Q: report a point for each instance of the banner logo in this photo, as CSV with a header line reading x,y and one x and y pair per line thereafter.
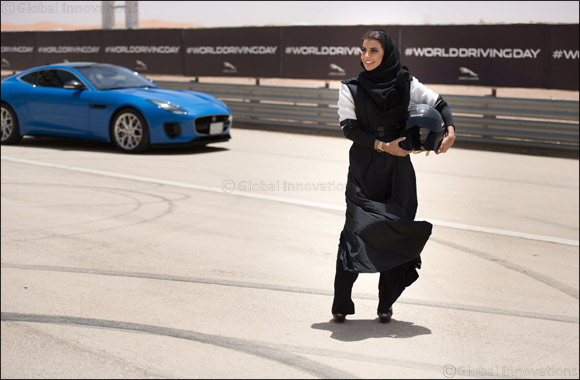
x,y
140,66
336,70
229,68
467,74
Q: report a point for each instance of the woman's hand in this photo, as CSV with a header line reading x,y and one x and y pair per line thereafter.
x,y
394,149
448,140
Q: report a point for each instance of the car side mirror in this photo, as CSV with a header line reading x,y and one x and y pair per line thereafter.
x,y
74,85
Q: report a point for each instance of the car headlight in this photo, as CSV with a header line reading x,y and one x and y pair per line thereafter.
x,y
168,107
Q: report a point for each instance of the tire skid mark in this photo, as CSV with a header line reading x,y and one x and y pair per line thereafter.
x,y
546,280
137,370
137,206
263,351
290,289
121,192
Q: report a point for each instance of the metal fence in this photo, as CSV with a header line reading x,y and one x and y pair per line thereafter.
x,y
529,123
525,123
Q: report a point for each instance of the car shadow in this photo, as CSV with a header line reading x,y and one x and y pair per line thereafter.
x,y
68,144
353,330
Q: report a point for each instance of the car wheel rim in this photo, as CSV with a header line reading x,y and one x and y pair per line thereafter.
x,y
128,131
7,124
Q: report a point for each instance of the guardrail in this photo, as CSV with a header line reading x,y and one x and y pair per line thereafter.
x,y
528,123
525,123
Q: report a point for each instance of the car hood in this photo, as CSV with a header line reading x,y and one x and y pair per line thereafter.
x,y
190,101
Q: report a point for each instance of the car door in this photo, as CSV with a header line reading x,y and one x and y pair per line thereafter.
x,y
56,110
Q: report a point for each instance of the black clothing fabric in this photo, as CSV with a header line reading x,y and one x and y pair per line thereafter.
x,y
373,122
445,111
381,195
354,132
392,283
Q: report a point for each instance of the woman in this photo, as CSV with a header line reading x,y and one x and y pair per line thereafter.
x,y
380,234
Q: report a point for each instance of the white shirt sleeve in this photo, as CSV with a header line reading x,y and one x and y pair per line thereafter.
x,y
421,94
345,104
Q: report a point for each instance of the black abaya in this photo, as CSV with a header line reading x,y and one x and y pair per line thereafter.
x,y
380,233
381,198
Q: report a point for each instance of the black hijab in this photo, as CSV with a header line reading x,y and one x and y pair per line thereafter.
x,y
381,83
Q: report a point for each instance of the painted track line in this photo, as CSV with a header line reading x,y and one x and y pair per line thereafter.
x,y
298,202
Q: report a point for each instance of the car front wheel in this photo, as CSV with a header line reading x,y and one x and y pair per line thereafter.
x,y
10,129
129,131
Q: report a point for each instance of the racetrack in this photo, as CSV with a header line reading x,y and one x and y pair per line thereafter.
x,y
219,263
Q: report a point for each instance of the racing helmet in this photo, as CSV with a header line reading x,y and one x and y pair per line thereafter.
x,y
424,129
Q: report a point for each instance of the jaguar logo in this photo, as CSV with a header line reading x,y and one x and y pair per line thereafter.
x,y
140,65
229,68
467,74
336,70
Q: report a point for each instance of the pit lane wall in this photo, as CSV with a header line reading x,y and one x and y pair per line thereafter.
x,y
518,55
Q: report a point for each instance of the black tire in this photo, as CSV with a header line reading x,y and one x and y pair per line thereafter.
x,y
10,129
129,131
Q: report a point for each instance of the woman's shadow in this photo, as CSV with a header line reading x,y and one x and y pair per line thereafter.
x,y
356,330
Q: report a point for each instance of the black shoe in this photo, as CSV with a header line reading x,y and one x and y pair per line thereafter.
x,y
386,317
339,318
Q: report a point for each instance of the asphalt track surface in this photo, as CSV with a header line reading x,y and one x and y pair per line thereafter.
x,y
219,263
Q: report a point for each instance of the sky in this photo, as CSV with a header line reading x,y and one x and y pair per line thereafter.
x,y
259,13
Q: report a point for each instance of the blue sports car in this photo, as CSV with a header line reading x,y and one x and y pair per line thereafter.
x,y
108,103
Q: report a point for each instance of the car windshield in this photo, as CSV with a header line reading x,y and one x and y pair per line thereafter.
x,y
108,77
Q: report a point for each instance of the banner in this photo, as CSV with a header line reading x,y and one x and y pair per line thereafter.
x,y
324,52
56,47
18,50
157,51
530,56
562,54
239,52
488,55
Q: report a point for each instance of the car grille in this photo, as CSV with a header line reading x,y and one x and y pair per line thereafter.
x,y
202,124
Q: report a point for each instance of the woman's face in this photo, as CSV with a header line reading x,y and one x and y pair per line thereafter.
x,y
372,54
